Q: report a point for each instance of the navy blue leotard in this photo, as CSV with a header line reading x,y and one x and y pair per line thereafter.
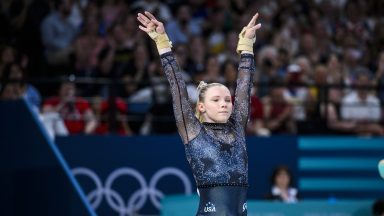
x,y
216,152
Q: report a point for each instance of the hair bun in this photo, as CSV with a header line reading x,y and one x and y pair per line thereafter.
x,y
201,85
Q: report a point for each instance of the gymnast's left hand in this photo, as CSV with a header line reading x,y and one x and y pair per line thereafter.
x,y
247,36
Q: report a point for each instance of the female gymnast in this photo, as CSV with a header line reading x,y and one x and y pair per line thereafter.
x,y
213,136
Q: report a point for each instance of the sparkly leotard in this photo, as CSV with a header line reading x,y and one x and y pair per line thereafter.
x,y
216,152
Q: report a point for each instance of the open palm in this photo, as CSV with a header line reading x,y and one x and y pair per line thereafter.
x,y
150,23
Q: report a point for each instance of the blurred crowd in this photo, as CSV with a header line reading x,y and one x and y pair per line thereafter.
x,y
85,67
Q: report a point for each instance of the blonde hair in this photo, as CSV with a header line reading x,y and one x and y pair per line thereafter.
x,y
202,89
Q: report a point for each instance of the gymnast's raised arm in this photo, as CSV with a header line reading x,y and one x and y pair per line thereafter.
x,y
247,38
187,124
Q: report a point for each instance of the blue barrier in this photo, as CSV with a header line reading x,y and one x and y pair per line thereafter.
x,y
187,206
344,167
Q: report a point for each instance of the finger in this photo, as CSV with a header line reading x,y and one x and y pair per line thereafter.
x,y
253,29
156,22
143,29
253,20
250,24
256,16
143,17
140,15
142,21
150,16
257,26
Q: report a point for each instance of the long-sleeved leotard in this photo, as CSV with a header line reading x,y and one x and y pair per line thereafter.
x,y
216,152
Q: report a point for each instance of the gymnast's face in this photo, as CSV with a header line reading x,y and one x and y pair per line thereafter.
x,y
217,105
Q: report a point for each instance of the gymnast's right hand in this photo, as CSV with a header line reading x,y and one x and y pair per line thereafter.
x,y
155,29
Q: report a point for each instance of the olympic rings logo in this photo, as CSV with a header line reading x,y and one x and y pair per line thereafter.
x,y
138,198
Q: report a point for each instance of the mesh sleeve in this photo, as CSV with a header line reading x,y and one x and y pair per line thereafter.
x,y
187,124
243,89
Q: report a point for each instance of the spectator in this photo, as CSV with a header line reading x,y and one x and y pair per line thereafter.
x,y
256,125
58,34
355,21
295,93
379,77
308,47
278,112
36,12
330,110
196,61
266,71
76,15
10,55
317,98
75,111
111,11
229,69
229,54
283,61
361,104
132,36
362,107
218,25
12,14
15,73
138,70
116,58
305,65
112,117
334,123
378,208
156,7
282,189
317,92
181,29
9,91
87,47
335,77
182,54
212,70
331,115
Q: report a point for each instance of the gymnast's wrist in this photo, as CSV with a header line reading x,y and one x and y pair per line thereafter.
x,y
162,41
164,50
245,44
246,52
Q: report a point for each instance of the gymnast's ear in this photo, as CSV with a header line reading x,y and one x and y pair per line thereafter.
x,y
201,107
